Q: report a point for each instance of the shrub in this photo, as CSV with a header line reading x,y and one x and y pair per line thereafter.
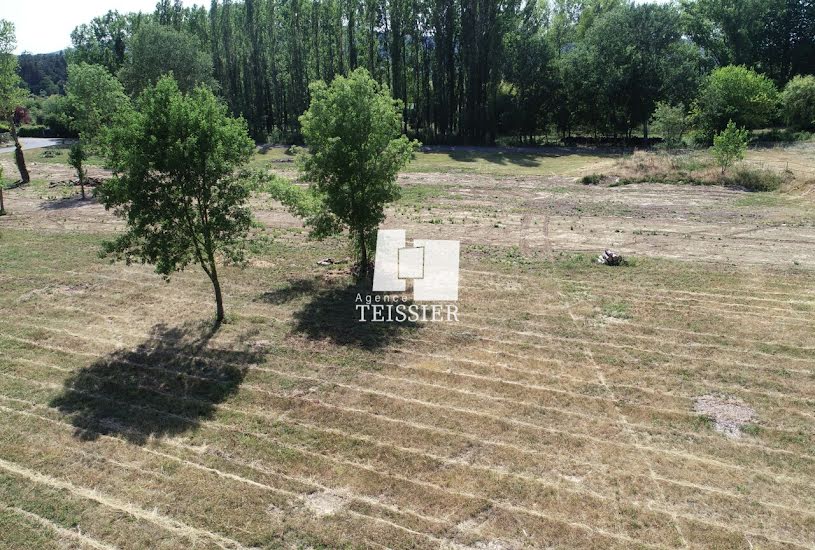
x,y
755,180
671,122
798,102
34,130
729,145
735,93
591,179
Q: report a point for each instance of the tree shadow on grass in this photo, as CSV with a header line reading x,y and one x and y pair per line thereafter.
x,y
518,158
165,386
68,202
330,314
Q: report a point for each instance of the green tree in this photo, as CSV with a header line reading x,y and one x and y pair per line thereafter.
x,y
353,131
175,160
671,122
729,145
155,50
94,99
734,93
104,40
798,102
77,158
12,93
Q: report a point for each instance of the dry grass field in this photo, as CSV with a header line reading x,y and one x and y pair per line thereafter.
x,y
562,410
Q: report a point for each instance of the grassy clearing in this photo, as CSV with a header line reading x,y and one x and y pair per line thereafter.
x,y
506,163
558,411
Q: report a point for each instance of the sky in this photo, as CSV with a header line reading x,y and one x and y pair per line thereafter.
x,y
45,26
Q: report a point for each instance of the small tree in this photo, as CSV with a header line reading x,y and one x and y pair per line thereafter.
x,y
729,145
175,159
353,131
94,99
12,93
76,158
671,122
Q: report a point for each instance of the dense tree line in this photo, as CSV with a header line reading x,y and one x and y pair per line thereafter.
x,y
465,70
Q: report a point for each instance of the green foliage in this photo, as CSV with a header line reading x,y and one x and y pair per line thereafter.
x,y
56,115
735,93
670,122
77,158
103,41
175,159
798,103
12,92
94,100
155,50
465,71
755,180
353,131
630,57
729,145
591,179
33,130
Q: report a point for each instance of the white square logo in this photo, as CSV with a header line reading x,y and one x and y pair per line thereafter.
x,y
431,264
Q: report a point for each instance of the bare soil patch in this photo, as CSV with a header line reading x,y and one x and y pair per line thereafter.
x,y
729,414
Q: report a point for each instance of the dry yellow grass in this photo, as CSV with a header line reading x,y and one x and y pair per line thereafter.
x,y
557,412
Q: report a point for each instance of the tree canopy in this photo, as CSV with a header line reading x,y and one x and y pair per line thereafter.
x,y
156,50
94,99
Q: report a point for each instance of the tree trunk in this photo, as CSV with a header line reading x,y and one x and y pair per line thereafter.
x,y
82,187
2,206
18,154
216,286
363,256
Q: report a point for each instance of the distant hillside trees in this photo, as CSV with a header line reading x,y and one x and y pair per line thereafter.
x,y
45,74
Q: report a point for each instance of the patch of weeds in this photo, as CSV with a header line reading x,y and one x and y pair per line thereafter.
x,y
703,423
760,200
754,180
418,195
751,429
572,261
617,310
514,257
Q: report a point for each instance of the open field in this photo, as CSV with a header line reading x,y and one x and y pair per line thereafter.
x,y
558,411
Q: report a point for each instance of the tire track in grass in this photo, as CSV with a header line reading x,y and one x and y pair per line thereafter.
x,y
165,522
59,530
460,410
696,519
